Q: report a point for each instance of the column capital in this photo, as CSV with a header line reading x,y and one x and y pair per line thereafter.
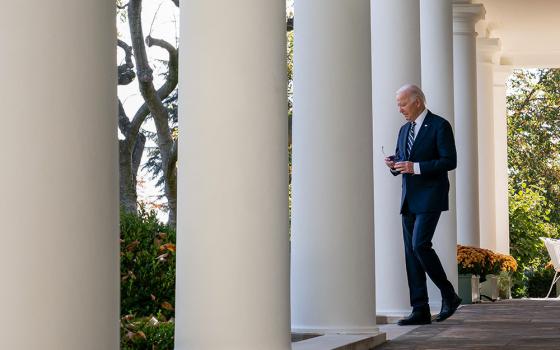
x,y
488,50
465,16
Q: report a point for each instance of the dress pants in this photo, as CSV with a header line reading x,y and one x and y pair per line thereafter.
x,y
421,258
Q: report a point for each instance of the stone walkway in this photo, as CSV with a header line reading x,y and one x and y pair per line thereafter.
x,y
509,324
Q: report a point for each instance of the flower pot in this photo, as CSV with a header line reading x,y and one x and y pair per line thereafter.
x,y
489,288
469,289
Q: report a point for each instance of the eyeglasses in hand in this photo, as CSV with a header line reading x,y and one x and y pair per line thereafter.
x,y
393,158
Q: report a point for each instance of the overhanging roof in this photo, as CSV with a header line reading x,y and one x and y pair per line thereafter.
x,y
529,31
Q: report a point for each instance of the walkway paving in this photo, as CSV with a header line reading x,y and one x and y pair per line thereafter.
x,y
509,324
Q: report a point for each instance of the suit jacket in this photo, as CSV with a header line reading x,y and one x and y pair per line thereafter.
x,y
434,149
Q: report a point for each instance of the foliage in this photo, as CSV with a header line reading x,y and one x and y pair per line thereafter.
x,y
503,263
147,266
482,262
534,133
290,60
504,285
472,260
290,70
529,220
534,171
121,11
538,283
146,334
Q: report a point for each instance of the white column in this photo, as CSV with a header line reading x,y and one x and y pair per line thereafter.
x,y
436,32
465,16
59,207
332,220
233,253
395,62
487,49
501,74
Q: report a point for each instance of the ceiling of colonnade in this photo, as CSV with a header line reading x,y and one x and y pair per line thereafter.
x,y
529,31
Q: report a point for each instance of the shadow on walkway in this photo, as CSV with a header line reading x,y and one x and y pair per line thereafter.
x,y
509,324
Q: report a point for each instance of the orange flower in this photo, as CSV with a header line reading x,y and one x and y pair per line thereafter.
x,y
480,261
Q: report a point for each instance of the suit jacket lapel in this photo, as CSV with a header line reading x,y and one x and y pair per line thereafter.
x,y
403,140
422,132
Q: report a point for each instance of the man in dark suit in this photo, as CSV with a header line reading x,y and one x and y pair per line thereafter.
x,y
424,154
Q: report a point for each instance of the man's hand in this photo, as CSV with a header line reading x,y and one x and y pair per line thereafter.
x,y
404,167
390,163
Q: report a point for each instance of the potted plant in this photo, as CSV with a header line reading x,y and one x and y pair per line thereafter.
x,y
498,279
489,287
508,265
471,262
483,272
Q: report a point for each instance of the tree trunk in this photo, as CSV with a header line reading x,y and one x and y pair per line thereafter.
x,y
128,196
154,100
128,172
171,191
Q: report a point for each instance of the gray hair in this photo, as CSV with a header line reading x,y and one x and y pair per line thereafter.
x,y
413,91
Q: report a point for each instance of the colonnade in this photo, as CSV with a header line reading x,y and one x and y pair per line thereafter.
x,y
60,207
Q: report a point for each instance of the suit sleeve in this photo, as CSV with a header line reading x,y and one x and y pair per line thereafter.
x,y
447,153
395,172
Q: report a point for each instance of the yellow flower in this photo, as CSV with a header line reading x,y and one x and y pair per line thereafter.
x,y
480,261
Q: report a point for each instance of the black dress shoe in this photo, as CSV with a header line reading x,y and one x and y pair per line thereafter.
x,y
448,308
416,318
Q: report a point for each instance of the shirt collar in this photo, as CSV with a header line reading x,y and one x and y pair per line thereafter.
x,y
421,117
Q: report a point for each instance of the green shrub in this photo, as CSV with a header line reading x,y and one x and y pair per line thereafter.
x,y
528,220
146,334
147,266
519,286
538,283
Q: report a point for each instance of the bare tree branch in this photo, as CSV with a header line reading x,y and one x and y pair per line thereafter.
x,y
124,122
144,71
154,19
154,103
128,52
137,152
126,72
150,41
166,89
129,161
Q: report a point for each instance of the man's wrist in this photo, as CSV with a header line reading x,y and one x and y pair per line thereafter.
x,y
416,167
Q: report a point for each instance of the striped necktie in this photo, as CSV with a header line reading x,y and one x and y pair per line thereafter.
x,y
410,139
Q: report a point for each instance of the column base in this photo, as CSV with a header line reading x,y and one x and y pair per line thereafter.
x,y
391,316
323,331
342,342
